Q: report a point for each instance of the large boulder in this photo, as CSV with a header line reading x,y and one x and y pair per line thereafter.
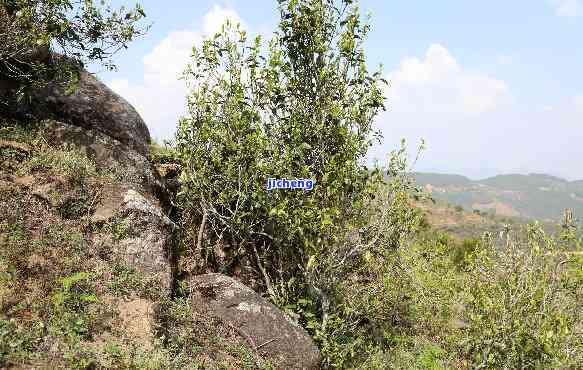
x,y
267,329
93,106
144,233
109,153
133,201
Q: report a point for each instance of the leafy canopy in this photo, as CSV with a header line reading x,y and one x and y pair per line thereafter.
x,y
303,108
80,31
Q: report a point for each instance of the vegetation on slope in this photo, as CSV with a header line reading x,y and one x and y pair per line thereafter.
x,y
353,261
65,301
531,196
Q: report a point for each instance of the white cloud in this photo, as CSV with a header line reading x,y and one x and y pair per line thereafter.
x,y
214,19
547,108
505,60
579,103
568,8
505,138
161,97
438,84
166,62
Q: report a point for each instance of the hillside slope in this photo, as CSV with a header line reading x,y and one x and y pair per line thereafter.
x,y
90,254
535,196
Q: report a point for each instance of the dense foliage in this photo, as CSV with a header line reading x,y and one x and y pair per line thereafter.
x,y
305,110
510,303
31,31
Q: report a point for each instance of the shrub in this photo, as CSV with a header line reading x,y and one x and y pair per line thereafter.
x,y
512,306
81,31
464,252
521,305
304,110
70,304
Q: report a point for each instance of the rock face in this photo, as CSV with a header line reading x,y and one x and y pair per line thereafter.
x,y
132,202
264,326
94,106
79,207
108,153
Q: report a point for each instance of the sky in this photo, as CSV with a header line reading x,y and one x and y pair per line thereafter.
x,y
492,87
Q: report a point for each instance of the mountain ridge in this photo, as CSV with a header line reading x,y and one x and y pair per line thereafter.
x,y
533,196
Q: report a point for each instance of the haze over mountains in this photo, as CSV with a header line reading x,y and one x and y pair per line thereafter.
x,y
536,196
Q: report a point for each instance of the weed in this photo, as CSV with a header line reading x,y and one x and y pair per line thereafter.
x,y
113,350
125,281
18,341
11,130
75,205
14,232
119,228
163,153
244,353
70,303
68,159
79,358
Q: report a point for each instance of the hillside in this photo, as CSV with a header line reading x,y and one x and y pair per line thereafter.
x,y
90,254
461,223
533,196
119,252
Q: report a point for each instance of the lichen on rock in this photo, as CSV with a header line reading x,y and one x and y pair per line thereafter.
x,y
285,344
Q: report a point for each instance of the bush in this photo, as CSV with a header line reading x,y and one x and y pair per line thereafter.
x,y
516,306
464,252
81,31
521,305
366,288
305,110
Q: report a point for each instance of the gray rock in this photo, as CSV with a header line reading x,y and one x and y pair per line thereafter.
x,y
132,196
147,246
109,154
94,106
47,193
267,329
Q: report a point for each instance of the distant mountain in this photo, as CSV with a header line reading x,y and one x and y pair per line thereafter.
x,y
536,196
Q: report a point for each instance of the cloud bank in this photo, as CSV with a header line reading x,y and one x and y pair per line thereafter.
x,y
568,8
161,97
438,84
472,123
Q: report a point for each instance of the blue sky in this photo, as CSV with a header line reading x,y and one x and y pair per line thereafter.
x,y
493,87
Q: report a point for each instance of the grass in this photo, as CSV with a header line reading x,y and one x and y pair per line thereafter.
x,y
162,153
67,159
119,228
60,293
126,282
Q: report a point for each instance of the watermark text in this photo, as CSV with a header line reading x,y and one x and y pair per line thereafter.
x,y
306,184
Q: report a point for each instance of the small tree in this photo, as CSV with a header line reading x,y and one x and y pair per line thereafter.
x,y
32,31
304,109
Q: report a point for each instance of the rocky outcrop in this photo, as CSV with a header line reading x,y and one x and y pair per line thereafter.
x,y
268,330
94,106
133,200
109,154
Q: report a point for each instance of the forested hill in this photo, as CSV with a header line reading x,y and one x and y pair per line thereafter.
x,y
536,196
